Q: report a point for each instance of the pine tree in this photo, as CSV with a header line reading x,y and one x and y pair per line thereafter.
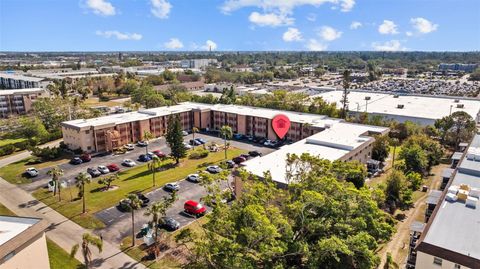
x,y
174,138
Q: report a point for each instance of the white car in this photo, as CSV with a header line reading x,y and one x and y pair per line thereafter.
x,y
187,146
31,172
214,169
184,133
129,147
268,143
128,163
173,186
103,169
193,178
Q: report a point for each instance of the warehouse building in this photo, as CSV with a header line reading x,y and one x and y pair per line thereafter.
x,y
420,109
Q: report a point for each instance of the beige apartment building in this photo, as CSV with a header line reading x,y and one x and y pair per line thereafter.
x,y
23,243
19,101
112,131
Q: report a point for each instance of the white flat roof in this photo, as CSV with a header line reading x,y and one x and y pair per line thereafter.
x,y
13,226
21,91
20,77
331,144
414,106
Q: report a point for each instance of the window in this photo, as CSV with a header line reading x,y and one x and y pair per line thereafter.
x,y
89,148
437,261
457,266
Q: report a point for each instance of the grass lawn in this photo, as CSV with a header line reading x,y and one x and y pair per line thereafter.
x,y
91,102
139,252
14,172
60,259
5,211
6,141
137,179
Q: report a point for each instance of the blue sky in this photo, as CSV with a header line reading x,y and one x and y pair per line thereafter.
x,y
118,25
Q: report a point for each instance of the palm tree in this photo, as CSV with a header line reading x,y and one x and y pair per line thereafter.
x,y
134,204
56,173
153,166
227,133
147,136
194,130
346,86
158,210
82,179
87,240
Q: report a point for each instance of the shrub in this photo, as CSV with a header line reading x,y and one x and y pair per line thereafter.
x,y
198,154
47,154
7,150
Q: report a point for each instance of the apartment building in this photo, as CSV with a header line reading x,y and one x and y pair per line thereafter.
x,y
108,132
23,243
450,237
19,101
17,81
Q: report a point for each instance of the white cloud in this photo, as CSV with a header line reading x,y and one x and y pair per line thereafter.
x,y
173,44
101,7
347,5
292,34
423,26
388,28
408,33
160,8
392,45
285,6
270,19
119,35
312,17
329,34
209,45
314,45
355,25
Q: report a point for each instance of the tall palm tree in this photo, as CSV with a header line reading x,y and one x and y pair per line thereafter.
x,y
227,133
82,179
158,210
56,173
147,136
194,130
153,166
87,240
346,86
134,204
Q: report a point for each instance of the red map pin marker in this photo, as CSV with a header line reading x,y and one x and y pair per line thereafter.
x,y
281,125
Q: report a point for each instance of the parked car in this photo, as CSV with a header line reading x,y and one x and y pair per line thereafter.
x,y
239,159
144,158
124,205
193,178
230,164
195,142
254,153
93,172
142,143
172,186
143,198
194,208
128,163
151,155
169,224
76,161
159,154
31,172
86,157
249,137
129,147
238,136
103,169
267,143
214,169
184,133
246,156
201,140
113,167
187,146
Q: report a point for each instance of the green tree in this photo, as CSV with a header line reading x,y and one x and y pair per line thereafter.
x,y
174,138
134,203
381,148
194,131
147,136
415,158
414,179
353,171
153,166
56,173
397,192
227,133
82,180
463,127
107,180
87,240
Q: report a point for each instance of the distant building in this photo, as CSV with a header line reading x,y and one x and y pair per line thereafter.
x,y
17,81
197,63
189,86
19,101
458,67
242,68
23,243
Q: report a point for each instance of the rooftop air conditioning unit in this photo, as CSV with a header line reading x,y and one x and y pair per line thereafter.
x,y
460,105
367,98
400,106
457,100
396,96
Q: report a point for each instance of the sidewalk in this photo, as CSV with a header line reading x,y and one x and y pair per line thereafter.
x,y
62,231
